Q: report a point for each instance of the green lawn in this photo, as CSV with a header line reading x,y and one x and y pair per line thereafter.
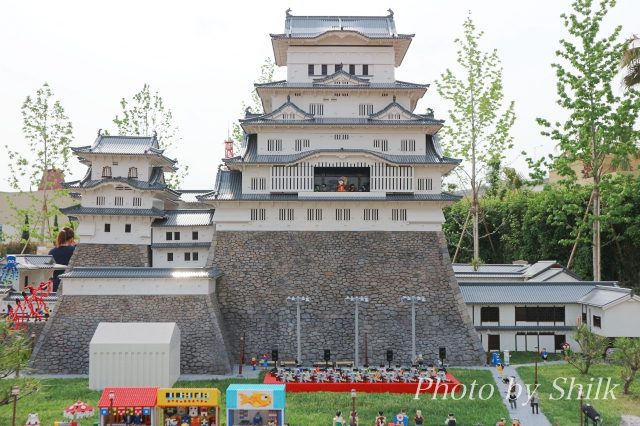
x,y
308,409
565,411
516,358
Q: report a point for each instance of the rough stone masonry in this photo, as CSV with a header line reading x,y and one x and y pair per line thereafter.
x,y
260,269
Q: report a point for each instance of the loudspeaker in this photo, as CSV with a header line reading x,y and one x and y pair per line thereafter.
x,y
327,355
274,355
389,355
443,352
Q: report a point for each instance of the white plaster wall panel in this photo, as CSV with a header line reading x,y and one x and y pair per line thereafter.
x,y
109,194
138,286
121,169
620,320
160,258
93,231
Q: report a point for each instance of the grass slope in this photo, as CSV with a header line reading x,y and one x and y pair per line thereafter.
x,y
303,409
566,411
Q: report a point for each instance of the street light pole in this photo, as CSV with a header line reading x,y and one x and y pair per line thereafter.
x,y
413,300
357,300
298,300
112,397
15,391
353,404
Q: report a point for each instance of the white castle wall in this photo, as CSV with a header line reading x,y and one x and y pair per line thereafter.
x,y
336,104
117,189
92,230
120,166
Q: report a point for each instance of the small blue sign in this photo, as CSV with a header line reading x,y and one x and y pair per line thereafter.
x,y
146,411
104,411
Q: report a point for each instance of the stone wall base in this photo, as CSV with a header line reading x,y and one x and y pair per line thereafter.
x,y
118,255
63,347
261,269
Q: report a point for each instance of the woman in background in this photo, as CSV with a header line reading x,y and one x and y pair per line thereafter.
x,y
62,253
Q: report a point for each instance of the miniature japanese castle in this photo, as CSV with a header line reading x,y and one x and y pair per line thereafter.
x,y
336,193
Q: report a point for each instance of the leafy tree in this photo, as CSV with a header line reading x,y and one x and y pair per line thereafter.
x,y
480,126
266,76
49,133
146,114
600,126
627,354
592,348
631,62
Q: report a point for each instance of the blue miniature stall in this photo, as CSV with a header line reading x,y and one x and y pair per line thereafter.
x,y
255,404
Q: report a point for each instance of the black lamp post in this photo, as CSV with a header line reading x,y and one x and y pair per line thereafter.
x,y
112,397
15,391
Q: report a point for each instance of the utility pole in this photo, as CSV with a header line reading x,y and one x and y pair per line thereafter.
x,y
413,300
298,300
357,300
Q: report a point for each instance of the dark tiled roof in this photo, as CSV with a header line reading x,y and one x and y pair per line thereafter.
x,y
111,211
338,121
274,113
370,26
229,187
13,296
130,145
529,293
340,73
251,156
186,218
156,182
193,244
111,272
524,327
383,86
378,115
601,296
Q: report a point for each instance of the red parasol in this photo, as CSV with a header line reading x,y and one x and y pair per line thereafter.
x,y
78,410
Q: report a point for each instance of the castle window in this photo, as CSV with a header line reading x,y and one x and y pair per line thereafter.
x,y
133,172
137,201
169,257
115,163
316,109
194,255
338,94
384,95
288,116
365,69
399,215
352,69
194,235
311,69
382,144
301,144
107,227
169,236
371,214
127,228
258,214
407,145
324,69
176,236
338,67
425,184
106,172
187,257
286,214
314,214
365,109
119,201
343,214
274,144
100,200
258,184
341,137
393,116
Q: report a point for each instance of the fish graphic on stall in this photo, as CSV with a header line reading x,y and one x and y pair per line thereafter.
x,y
256,399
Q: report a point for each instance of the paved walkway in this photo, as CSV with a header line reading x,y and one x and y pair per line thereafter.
x,y
523,409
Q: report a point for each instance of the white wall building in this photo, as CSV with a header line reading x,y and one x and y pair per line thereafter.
x,y
182,239
611,312
123,191
339,146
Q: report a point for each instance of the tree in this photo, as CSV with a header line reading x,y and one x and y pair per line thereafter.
x,y
600,124
15,350
266,76
592,348
480,127
145,114
631,62
627,354
49,134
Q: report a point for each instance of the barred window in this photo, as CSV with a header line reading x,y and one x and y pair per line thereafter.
x,y
393,116
106,171
274,144
300,144
425,184
343,214
133,172
258,214
314,214
289,116
407,145
100,200
137,201
371,214
382,144
286,214
399,215
119,201
341,137
258,184
316,109
365,109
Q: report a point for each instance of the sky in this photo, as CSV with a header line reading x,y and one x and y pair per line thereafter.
x,y
203,57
